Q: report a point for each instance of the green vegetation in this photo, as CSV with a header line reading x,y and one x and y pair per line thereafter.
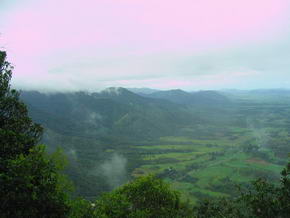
x,y
145,197
203,169
31,185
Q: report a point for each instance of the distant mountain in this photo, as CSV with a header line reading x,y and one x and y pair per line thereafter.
x,y
177,96
198,98
121,95
258,91
259,95
117,113
210,98
279,92
113,111
141,91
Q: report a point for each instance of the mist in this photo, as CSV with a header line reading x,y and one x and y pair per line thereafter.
x,y
114,169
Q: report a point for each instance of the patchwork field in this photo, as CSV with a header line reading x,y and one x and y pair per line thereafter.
x,y
204,168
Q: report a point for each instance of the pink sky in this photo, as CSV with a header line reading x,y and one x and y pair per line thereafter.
x,y
93,36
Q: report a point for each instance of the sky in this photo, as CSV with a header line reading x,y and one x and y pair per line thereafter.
x,y
72,45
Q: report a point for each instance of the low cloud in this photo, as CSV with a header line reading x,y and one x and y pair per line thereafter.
x,y
114,170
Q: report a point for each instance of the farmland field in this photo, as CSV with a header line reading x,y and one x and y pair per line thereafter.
x,y
203,168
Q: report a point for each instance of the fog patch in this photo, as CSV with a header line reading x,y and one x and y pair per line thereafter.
x,y
93,117
72,154
114,170
260,134
112,91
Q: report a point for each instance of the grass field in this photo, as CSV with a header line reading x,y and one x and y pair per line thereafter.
x,y
204,168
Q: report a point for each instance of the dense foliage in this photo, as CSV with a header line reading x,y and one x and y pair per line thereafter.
x,y
145,197
16,128
29,179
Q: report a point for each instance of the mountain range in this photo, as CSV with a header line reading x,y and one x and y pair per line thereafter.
x,y
118,111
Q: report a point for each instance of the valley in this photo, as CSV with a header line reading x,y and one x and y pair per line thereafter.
x,y
202,147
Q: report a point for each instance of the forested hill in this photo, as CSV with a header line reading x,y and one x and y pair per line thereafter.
x,y
117,111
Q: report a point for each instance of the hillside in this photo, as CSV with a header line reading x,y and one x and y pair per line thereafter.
x,y
114,111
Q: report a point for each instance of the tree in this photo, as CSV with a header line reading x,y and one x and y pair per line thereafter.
x,y
31,185
17,131
144,197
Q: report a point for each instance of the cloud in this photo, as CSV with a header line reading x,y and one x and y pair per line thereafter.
x,y
76,45
114,170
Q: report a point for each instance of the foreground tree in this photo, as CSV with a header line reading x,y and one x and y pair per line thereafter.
x,y
18,134
145,197
31,185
